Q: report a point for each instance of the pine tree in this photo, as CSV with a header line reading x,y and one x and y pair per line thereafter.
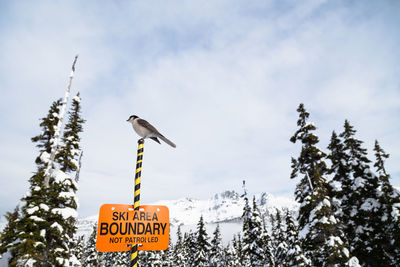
x,y
361,207
202,245
327,231
62,189
245,244
106,259
267,246
388,241
121,259
57,129
309,160
253,237
179,249
78,248
42,238
279,238
190,246
238,246
273,225
231,258
45,139
168,255
340,183
154,259
320,231
61,217
50,210
33,226
217,250
143,258
9,234
69,152
91,256
294,253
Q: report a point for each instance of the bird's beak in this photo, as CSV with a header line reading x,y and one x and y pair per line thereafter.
x,y
127,120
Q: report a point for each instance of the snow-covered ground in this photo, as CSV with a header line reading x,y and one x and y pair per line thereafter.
x,y
225,209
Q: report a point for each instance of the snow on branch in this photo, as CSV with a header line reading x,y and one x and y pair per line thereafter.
x,y
66,212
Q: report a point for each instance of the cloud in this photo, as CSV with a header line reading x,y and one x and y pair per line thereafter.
x,y
222,80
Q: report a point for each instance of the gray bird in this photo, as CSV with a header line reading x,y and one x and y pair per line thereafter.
x,y
146,130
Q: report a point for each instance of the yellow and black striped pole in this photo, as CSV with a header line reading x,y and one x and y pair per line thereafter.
x,y
134,251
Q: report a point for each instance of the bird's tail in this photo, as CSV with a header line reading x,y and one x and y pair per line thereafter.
x,y
162,137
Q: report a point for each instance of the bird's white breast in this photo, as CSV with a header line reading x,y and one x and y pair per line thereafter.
x,y
140,130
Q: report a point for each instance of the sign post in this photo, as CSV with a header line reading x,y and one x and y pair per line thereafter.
x,y
131,228
134,251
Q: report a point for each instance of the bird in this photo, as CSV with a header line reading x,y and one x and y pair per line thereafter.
x,y
145,130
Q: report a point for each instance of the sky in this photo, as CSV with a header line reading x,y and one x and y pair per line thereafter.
x,y
221,79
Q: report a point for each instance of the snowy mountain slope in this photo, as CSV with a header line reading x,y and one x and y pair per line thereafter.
x,y
225,208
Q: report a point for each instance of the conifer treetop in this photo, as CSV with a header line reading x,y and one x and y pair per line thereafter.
x,y
56,141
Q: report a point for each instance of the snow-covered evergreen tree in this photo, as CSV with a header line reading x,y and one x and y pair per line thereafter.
x,y
33,226
279,238
253,237
325,230
340,184
143,258
245,244
202,245
91,255
361,207
45,139
179,249
217,249
48,218
294,254
61,216
122,258
9,234
190,246
340,171
106,259
168,255
57,129
62,187
268,249
231,258
31,246
45,229
154,259
238,246
78,248
320,231
68,154
117,259
388,241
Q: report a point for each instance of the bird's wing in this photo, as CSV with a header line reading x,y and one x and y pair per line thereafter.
x,y
147,125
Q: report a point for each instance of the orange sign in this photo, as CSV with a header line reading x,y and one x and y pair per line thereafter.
x,y
120,227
